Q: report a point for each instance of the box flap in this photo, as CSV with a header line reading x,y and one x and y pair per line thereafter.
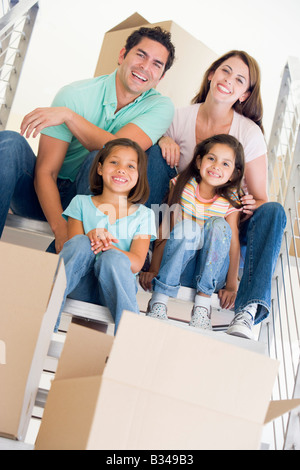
x,y
279,407
185,365
84,354
132,21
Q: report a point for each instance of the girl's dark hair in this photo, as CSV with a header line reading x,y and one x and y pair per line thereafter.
x,y
227,190
140,193
156,34
252,107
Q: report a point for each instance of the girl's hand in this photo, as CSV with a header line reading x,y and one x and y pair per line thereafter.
x,y
101,240
227,298
145,279
170,151
249,206
34,122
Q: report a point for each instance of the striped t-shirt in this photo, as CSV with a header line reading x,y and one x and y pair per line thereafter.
x,y
194,207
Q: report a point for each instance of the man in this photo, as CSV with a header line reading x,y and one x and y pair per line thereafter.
x,y
83,117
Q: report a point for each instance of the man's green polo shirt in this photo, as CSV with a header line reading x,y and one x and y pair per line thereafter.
x,y
96,101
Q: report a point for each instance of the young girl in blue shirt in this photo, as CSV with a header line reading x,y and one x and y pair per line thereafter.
x,y
109,233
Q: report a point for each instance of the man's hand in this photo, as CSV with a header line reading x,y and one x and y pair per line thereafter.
x,y
34,122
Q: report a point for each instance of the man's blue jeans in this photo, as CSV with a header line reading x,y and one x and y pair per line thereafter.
x,y
105,279
159,175
17,165
261,238
195,257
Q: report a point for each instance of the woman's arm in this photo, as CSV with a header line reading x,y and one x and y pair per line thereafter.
x,y
227,295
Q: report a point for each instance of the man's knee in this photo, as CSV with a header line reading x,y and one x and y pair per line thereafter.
x,y
13,146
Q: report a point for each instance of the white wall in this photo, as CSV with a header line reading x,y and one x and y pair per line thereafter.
x,y
68,34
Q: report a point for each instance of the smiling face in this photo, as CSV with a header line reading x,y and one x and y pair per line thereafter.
x,y
217,166
230,82
119,171
143,66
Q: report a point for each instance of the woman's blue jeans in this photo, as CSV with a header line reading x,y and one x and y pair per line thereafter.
x,y
195,257
105,279
17,166
261,238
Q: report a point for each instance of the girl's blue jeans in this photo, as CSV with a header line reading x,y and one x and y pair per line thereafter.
x,y
195,257
17,166
105,279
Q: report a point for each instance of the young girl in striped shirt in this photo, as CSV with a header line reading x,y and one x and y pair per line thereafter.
x,y
198,243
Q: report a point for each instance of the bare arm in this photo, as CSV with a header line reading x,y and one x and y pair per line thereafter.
x,y
50,158
227,295
89,135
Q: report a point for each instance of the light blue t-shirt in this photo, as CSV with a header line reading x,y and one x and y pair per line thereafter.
x,y
140,222
96,101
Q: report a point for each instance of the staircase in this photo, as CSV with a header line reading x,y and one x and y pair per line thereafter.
x,y
15,31
281,330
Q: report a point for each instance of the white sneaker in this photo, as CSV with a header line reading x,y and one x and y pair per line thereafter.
x,y
158,310
241,326
201,318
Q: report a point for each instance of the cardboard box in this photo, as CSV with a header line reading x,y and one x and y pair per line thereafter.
x,y
32,284
163,387
182,81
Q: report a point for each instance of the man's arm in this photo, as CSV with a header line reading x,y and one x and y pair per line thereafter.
x,y
50,158
89,135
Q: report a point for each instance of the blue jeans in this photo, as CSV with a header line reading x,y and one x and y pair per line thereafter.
x,y
17,166
159,175
105,279
195,257
261,235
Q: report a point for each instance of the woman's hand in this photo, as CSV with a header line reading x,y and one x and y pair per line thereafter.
x,y
249,206
101,240
34,122
145,279
170,151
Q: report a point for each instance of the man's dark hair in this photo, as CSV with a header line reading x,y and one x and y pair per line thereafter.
x,y
156,34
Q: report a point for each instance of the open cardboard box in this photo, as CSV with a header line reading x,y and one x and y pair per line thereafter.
x,y
32,284
182,81
157,386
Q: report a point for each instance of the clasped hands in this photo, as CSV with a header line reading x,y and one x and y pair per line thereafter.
x,y
101,240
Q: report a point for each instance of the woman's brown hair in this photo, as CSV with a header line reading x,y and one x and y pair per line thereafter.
x,y
228,189
252,107
140,193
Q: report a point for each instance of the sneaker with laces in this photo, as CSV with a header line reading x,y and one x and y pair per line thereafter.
x,y
157,310
201,318
241,326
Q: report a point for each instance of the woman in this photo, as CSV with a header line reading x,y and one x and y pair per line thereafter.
x,y
229,102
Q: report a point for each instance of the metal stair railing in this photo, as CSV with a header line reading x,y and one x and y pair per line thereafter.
x,y
281,331
15,31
